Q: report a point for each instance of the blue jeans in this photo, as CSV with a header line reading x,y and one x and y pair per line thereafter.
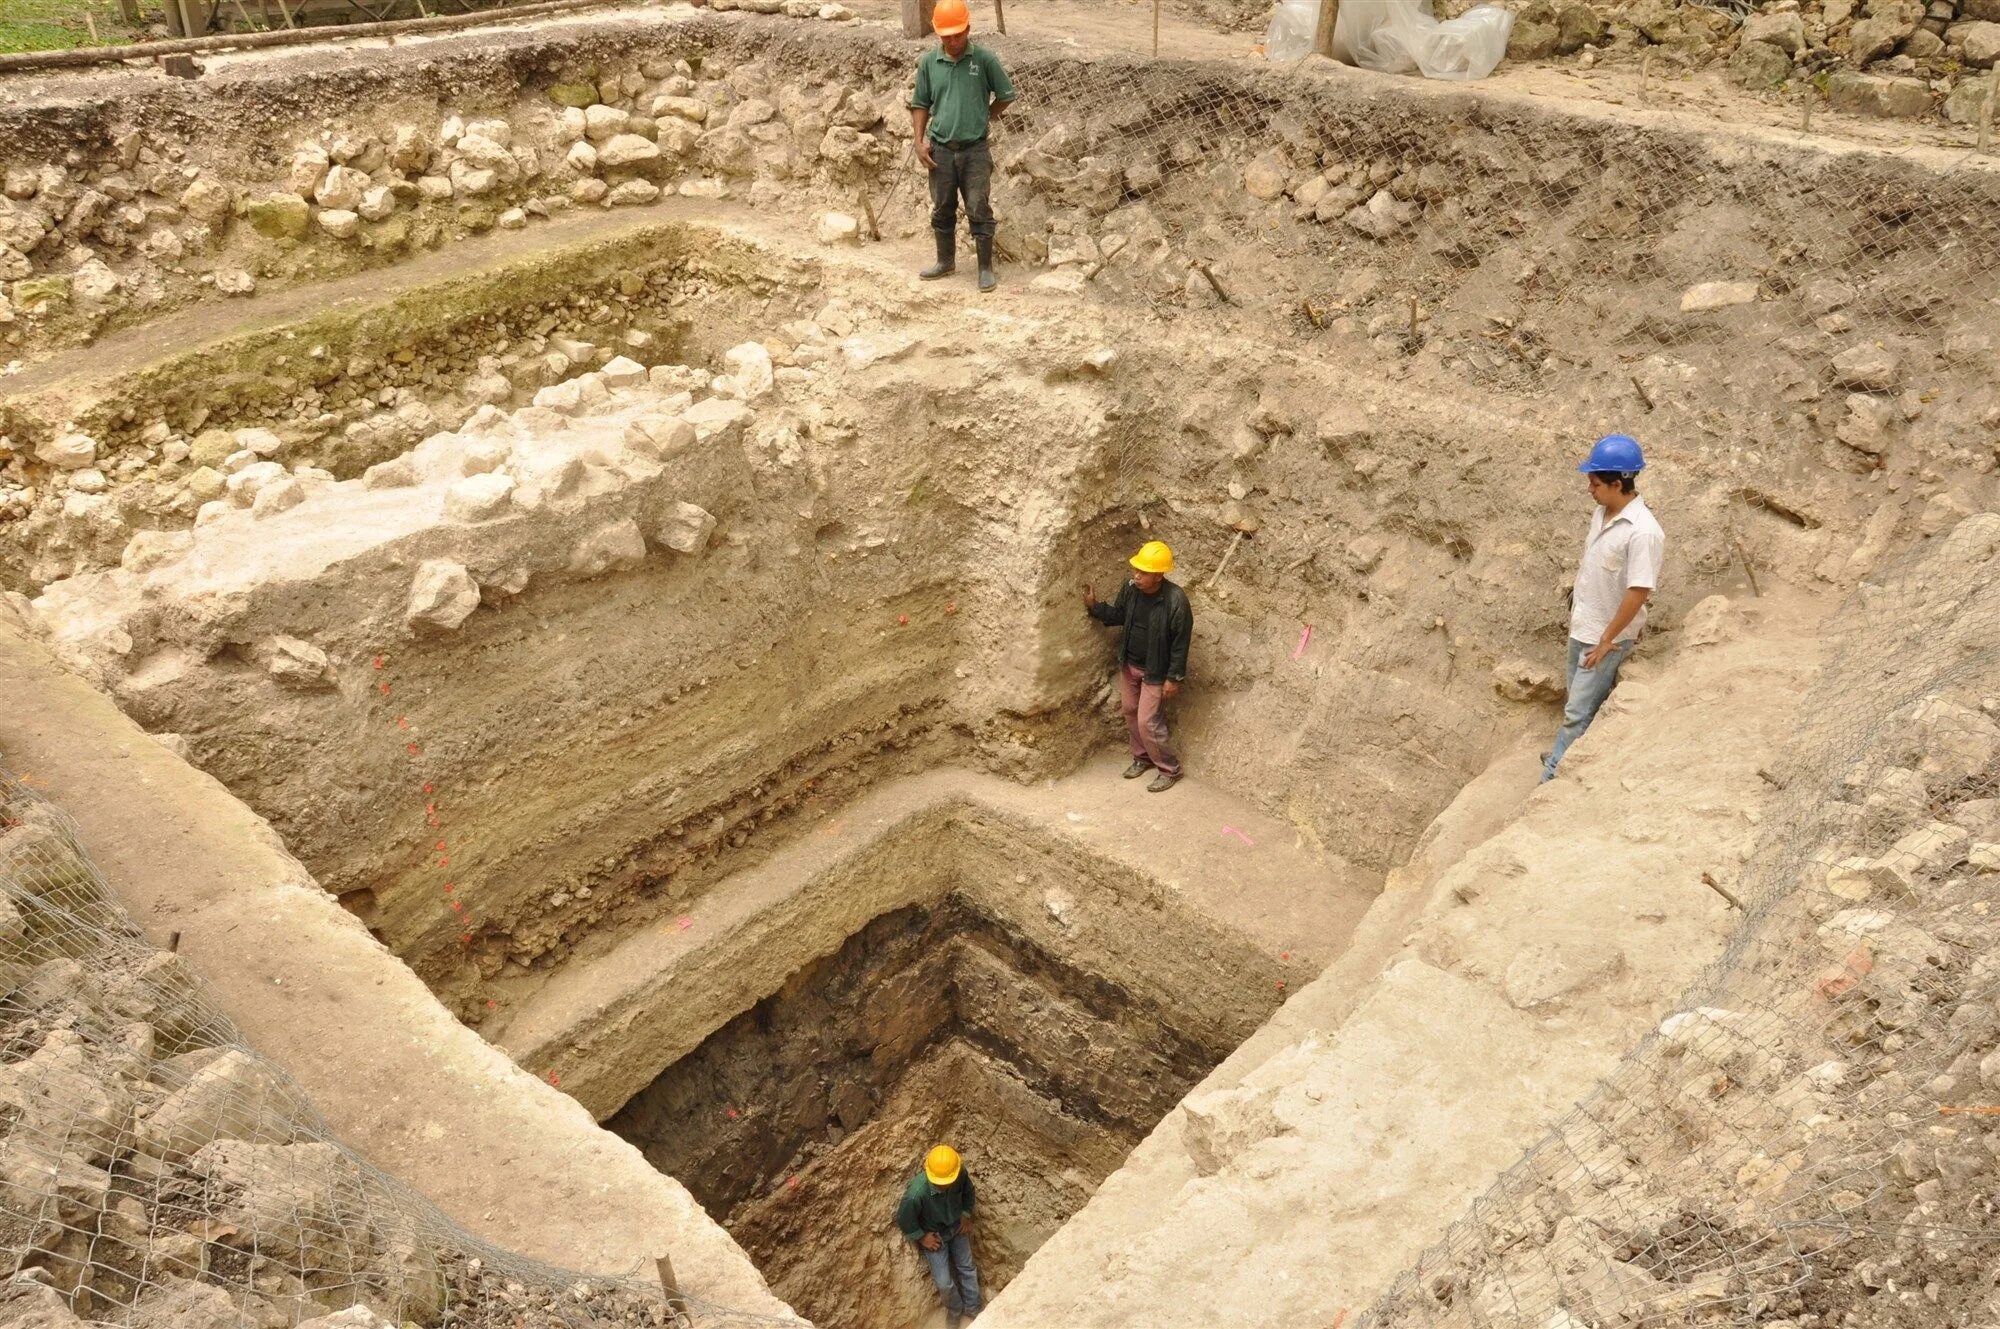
x,y
1587,690
954,1256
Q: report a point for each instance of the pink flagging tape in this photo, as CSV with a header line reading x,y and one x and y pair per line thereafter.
x,y
1305,639
685,922
1231,830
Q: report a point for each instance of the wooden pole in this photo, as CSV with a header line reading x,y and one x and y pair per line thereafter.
x,y
1329,14
677,1306
1156,29
1000,15
917,17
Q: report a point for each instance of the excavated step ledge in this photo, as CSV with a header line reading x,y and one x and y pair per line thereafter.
x,y
1242,910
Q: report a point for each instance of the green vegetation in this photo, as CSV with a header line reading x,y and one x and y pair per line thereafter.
x,y
54,25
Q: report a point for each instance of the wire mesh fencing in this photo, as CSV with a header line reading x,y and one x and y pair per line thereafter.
x,y
1811,1137
156,1172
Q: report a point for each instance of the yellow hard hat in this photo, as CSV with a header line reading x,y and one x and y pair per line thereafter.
x,y
941,1165
1153,556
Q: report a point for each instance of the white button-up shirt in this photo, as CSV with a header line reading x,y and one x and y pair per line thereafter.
x,y
1618,554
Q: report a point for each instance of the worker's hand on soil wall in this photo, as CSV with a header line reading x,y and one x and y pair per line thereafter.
x,y
1170,689
1089,595
930,1241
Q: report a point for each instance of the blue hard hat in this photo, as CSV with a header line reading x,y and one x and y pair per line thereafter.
x,y
1614,452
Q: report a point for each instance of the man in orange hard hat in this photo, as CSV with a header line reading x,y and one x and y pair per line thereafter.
x,y
1152,657
961,90
936,1213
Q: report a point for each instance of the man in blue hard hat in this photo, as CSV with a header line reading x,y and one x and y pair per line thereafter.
x,y
1620,569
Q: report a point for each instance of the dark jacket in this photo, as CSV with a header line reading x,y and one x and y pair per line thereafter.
x,y
1168,628
928,1208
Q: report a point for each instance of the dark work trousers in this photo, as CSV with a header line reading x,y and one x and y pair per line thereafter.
x,y
963,170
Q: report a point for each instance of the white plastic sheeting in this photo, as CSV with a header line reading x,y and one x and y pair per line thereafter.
x,y
1396,36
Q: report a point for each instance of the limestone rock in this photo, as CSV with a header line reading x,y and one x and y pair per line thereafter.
x,y
1868,368
603,122
244,485
1709,623
748,366
309,166
659,437
342,187
1982,43
565,398
719,421
67,452
208,201
443,594
397,473
1868,425
1785,30
296,664
1874,37
354,1317
618,547
686,529
1713,295
339,223
632,193
1758,65
1264,177
579,95
150,549
278,496
377,203
837,228
1523,680
620,372
478,497
1364,553
409,149
627,151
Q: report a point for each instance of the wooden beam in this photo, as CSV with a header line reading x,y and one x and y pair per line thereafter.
x,y
1329,14
917,17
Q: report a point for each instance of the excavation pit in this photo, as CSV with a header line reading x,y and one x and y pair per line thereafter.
x,y
1037,1007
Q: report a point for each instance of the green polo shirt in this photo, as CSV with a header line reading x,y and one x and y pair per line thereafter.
x,y
959,92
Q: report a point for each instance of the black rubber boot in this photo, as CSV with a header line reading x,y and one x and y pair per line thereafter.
x,y
947,263
984,243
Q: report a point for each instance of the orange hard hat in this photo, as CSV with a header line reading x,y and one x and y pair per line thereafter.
x,y
950,18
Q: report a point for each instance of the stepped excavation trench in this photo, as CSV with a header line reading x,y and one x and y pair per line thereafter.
x,y
770,828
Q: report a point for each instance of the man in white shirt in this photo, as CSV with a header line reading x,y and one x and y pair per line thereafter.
x,y
1620,569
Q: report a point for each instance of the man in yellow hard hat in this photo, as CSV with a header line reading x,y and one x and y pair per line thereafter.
x,y
1152,657
961,91
936,1214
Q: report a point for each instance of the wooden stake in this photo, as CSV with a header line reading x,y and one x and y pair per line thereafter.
x,y
868,211
1000,16
1216,576
1156,29
1214,285
174,944
1748,571
1103,262
1413,319
1329,14
1986,112
287,13
1708,880
90,22
677,1306
1805,118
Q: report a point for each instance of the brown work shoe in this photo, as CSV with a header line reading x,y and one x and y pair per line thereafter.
x,y
1161,783
1138,768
